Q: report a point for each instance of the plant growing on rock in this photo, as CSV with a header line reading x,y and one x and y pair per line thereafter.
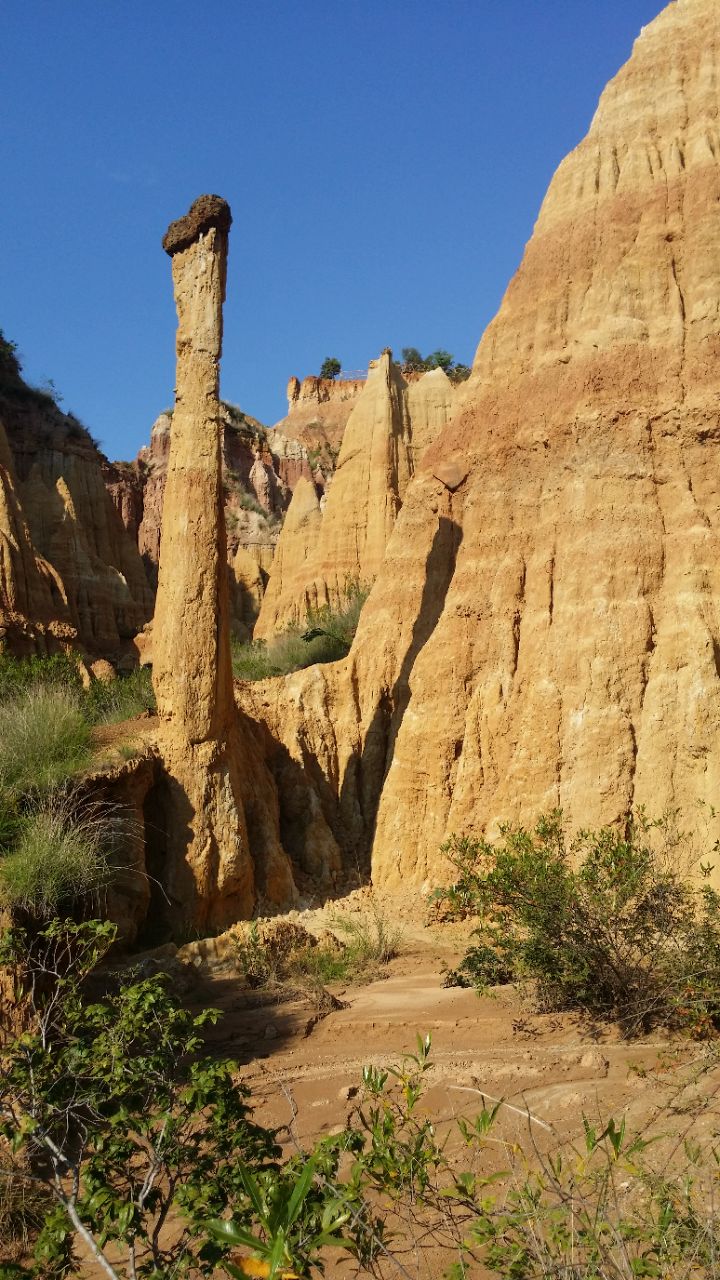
x,y
330,368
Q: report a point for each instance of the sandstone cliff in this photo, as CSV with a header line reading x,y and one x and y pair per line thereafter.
x,y
71,520
545,629
259,474
390,425
34,614
318,410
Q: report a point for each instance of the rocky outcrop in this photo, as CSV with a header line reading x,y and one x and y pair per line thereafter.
x,y
545,629
391,424
71,520
318,412
34,613
213,863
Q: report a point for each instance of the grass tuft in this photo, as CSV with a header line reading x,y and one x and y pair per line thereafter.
x,y
59,857
326,637
112,701
44,740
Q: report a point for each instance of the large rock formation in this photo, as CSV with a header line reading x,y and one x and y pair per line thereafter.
x,y
391,424
545,629
101,594
211,863
34,614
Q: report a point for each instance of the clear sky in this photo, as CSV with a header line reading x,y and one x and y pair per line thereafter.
x,y
384,160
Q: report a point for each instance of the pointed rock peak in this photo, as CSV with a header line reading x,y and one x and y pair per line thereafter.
x,y
437,377
204,213
304,501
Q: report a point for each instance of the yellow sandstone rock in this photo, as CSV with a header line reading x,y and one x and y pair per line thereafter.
x,y
545,627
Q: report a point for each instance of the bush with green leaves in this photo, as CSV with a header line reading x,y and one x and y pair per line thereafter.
x,y
17,675
414,362
330,368
113,1108
127,696
610,922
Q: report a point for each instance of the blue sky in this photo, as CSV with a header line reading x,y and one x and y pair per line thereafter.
x,y
384,160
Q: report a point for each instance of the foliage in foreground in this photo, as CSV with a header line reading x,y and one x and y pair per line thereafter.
x,y
44,739
609,922
326,637
112,1110
54,847
102,703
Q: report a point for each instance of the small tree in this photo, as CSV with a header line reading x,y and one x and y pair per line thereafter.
x,y
440,360
330,368
412,360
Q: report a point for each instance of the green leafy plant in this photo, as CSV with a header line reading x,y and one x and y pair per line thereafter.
x,y
608,922
18,675
127,696
414,362
117,1113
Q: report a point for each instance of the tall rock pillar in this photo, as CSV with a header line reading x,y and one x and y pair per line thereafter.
x,y
192,670
207,862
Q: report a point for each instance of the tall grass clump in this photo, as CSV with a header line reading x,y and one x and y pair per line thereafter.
x,y
59,857
44,740
326,636
371,938
17,675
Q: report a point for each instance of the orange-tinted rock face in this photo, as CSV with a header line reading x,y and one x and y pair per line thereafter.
x,y
34,613
257,482
545,628
72,521
390,425
318,411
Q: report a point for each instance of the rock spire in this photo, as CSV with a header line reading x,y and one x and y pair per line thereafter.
x,y
210,867
391,424
192,669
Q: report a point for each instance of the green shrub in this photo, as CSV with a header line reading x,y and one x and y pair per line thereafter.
x,y
127,696
326,637
608,923
59,857
44,740
20,674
